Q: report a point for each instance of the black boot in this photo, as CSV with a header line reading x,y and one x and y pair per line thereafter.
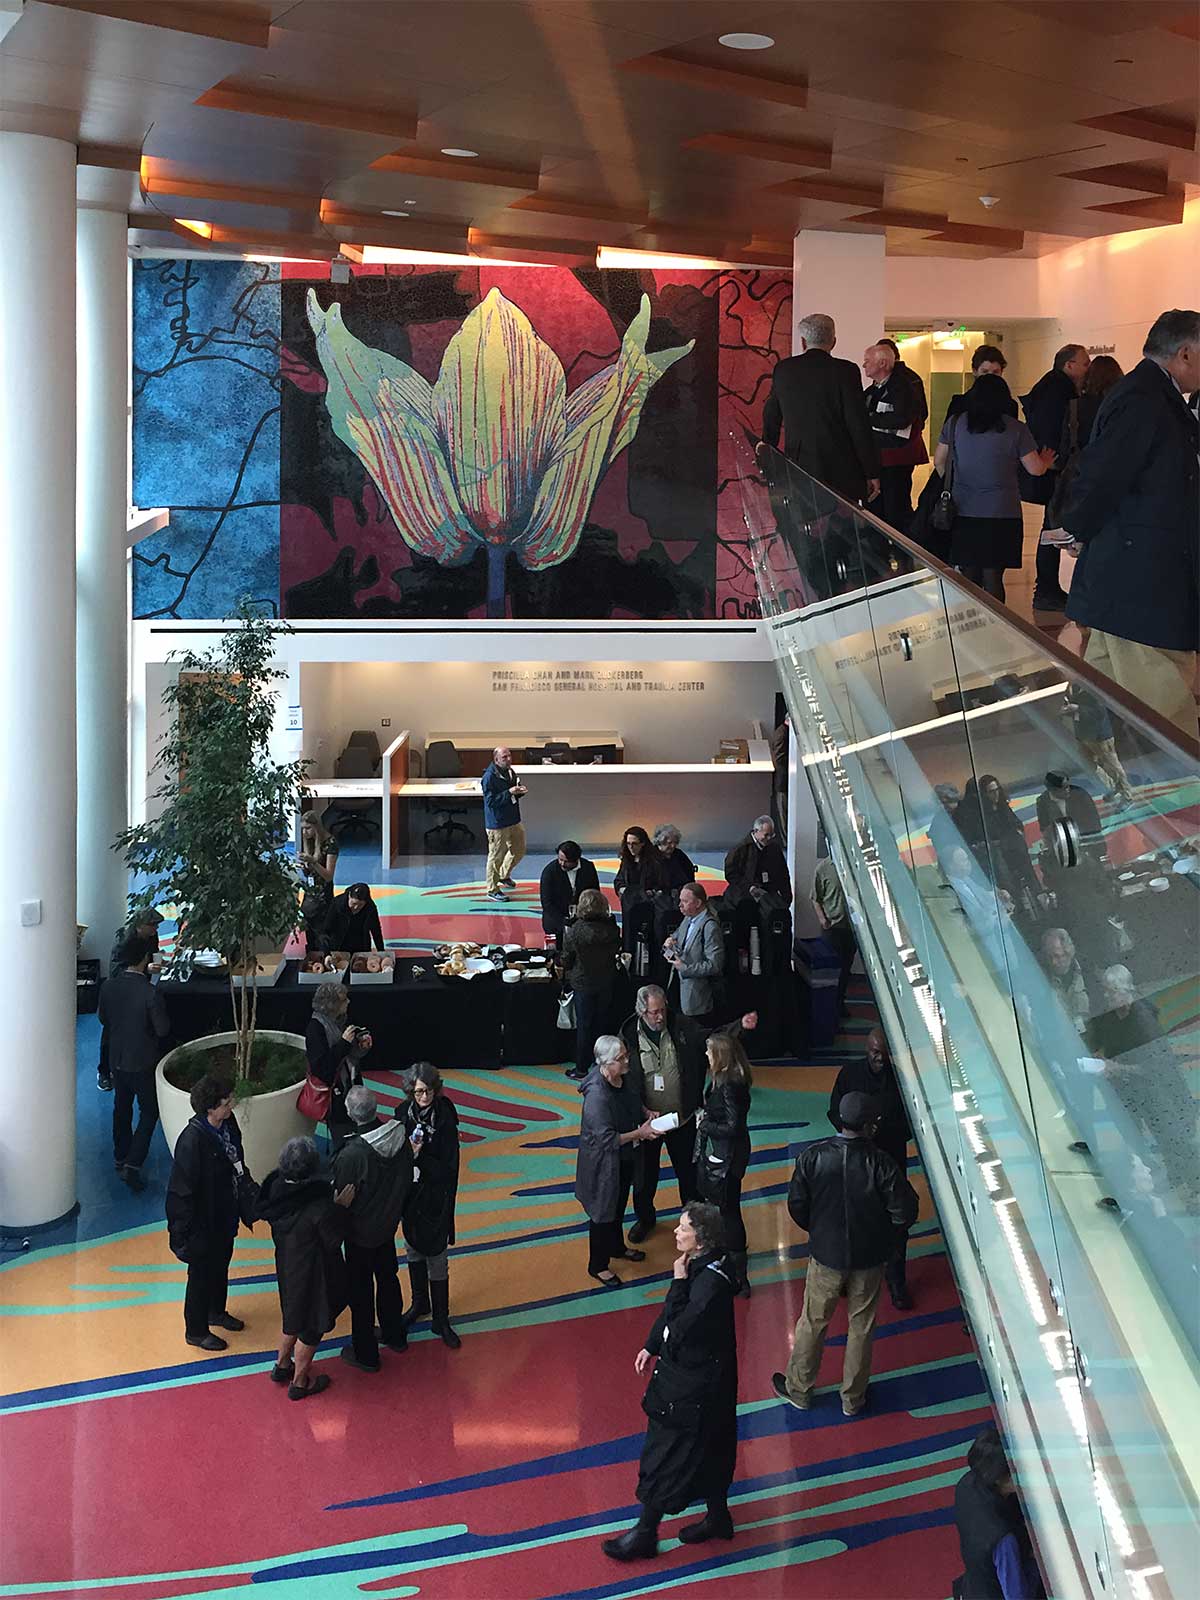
x,y
716,1524
418,1278
640,1543
439,1288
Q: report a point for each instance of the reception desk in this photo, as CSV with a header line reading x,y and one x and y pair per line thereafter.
x,y
475,746
712,804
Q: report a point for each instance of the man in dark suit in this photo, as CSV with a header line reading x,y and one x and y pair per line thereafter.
x,y
817,401
1135,508
133,1012
1046,407
563,880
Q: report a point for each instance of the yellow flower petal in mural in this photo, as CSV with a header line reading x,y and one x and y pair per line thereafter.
x,y
498,404
602,417
382,409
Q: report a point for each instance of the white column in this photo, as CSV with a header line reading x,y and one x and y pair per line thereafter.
x,y
37,679
101,617
841,274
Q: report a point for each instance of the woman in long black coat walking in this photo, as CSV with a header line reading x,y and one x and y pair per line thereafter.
x,y
207,1194
308,1224
690,1450
591,946
428,1219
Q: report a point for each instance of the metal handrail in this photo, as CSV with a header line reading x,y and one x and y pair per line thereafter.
x,y
1120,698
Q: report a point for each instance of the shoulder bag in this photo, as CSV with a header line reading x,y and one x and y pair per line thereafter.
x,y
313,1099
943,515
566,1011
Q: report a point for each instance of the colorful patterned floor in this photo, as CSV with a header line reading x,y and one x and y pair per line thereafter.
x,y
133,1465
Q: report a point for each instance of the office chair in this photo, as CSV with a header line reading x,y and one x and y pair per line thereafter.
x,y
588,755
558,754
442,760
367,739
352,817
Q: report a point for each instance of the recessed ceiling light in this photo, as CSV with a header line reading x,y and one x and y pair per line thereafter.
x,y
989,200
394,213
452,150
410,202
746,41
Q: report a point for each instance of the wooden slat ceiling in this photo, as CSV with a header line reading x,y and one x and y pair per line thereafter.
x,y
620,121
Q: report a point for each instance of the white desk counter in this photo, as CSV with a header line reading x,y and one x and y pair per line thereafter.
x,y
712,804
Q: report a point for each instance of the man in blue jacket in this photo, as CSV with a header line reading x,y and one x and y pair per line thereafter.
x,y
1135,508
502,791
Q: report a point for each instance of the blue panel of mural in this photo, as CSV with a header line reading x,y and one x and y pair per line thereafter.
x,y
206,435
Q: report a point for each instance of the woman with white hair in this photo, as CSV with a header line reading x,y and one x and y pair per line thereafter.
x,y
614,1123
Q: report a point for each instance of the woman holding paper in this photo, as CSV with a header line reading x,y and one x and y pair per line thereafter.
x,y
614,1123
723,1141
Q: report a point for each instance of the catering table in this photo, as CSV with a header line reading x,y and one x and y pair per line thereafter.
x,y
452,1022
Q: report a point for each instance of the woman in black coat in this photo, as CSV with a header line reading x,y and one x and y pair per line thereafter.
x,y
207,1193
308,1224
590,949
428,1219
335,1051
690,1449
353,922
723,1141
639,884
994,834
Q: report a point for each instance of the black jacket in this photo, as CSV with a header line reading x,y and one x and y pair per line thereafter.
x,y
135,1015
891,405
429,1210
556,893
1045,411
724,1134
308,1229
689,1049
691,1454
983,1519
202,1191
381,1170
353,931
338,1064
916,383
115,964
640,878
744,868
676,870
818,402
1081,809
894,1132
852,1200
590,949
1135,508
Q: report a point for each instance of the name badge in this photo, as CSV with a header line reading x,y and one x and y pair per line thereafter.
x,y
766,877
658,1083
238,1168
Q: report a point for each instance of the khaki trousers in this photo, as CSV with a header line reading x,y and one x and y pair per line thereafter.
x,y
506,847
1162,678
1102,753
822,1289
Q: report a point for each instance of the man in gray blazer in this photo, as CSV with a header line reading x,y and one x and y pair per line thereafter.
x,y
696,950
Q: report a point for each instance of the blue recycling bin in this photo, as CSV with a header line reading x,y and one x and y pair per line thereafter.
x,y
818,965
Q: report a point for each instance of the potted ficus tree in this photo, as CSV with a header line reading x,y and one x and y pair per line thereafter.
x,y
216,851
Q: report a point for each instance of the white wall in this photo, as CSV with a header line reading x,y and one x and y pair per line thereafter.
x,y
1098,292
842,275
670,723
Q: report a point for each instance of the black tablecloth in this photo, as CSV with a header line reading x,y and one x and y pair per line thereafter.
x,y
451,1022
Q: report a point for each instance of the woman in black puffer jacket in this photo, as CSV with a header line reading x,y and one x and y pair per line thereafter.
x,y
723,1142
591,945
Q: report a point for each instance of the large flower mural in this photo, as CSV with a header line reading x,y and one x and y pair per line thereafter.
x,y
495,452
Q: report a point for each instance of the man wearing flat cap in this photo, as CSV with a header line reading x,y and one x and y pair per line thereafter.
x,y
853,1201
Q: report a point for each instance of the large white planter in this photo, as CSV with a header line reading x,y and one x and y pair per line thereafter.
x,y
267,1121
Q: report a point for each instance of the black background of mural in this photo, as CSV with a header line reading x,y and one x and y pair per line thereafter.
x,y
669,464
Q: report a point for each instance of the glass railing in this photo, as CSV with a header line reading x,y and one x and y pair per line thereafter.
x,y
1034,952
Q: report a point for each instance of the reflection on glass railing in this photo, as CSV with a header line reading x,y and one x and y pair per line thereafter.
x,y
1022,849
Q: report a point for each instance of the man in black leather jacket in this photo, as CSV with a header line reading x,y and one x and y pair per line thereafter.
x,y
853,1201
